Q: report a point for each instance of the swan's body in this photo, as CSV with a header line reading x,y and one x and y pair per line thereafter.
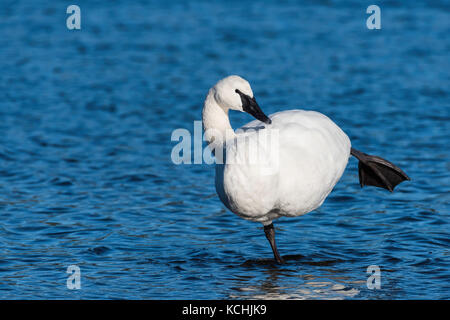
x,y
282,165
312,155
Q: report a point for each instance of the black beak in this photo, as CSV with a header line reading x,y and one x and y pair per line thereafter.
x,y
249,105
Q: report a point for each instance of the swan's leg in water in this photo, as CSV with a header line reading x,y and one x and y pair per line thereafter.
x,y
270,235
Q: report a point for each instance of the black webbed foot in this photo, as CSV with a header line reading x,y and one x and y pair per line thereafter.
x,y
378,172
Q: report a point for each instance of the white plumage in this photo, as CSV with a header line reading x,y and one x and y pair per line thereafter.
x,y
300,172
286,168
282,165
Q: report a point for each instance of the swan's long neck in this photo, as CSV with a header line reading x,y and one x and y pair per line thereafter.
x,y
215,121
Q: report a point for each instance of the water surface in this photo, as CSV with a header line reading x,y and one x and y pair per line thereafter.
x,y
86,176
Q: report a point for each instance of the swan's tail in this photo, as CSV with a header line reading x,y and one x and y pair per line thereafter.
x,y
378,172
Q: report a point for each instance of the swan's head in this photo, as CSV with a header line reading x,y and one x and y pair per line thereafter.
x,y
235,93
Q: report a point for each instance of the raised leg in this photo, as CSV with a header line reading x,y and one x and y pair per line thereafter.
x,y
269,230
378,172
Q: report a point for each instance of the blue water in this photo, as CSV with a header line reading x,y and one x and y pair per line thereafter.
x,y
86,176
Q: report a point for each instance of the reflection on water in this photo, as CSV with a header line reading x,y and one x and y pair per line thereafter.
x,y
86,177
308,290
302,286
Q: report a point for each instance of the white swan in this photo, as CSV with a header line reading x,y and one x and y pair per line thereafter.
x,y
282,165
